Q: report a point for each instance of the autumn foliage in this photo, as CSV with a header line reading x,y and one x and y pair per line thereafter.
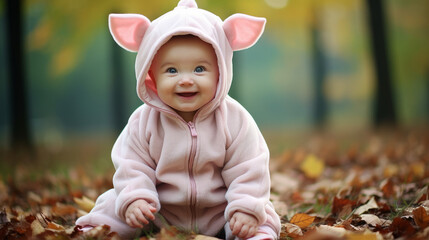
x,y
368,187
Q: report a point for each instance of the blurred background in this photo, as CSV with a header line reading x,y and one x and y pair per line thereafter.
x,y
67,89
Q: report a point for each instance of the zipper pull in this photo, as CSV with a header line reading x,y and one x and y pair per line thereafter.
x,y
192,128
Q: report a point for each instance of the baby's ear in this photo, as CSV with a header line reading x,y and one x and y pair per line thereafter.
x,y
128,29
243,30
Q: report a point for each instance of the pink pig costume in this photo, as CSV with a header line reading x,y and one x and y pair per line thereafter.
x,y
196,174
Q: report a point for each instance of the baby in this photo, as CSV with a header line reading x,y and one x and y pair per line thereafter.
x,y
191,156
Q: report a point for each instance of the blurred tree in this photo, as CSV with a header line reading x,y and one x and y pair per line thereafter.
x,y
384,102
319,70
20,134
118,89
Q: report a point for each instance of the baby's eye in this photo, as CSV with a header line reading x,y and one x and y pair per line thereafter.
x,y
171,70
199,69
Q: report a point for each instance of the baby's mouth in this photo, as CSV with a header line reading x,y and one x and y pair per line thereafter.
x,y
187,94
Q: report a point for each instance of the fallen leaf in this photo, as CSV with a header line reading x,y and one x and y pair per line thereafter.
x,y
280,207
302,220
204,237
34,198
421,195
312,166
54,226
372,219
371,204
418,169
421,217
84,203
292,230
401,227
342,206
390,170
367,235
97,232
388,188
281,183
37,228
63,210
331,231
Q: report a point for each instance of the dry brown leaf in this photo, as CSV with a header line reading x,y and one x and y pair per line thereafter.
x,y
204,237
292,230
371,204
63,210
374,220
331,231
421,217
282,183
342,206
37,228
421,195
388,188
34,198
302,220
401,227
98,232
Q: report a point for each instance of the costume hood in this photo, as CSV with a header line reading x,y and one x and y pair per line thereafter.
x,y
136,33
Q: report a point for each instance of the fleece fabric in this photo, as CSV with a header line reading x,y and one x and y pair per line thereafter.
x,y
198,173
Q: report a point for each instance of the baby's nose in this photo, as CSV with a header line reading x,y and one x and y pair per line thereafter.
x,y
186,80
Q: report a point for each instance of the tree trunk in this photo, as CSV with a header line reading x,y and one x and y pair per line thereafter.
x,y
319,72
117,91
384,102
20,130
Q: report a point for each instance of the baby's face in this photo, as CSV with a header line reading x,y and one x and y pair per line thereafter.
x,y
186,74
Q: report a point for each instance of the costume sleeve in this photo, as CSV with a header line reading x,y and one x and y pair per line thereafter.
x,y
135,169
246,170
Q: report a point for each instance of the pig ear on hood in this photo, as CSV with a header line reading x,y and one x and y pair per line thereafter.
x,y
243,30
128,30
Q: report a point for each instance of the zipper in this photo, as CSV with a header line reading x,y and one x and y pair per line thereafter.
x,y
193,199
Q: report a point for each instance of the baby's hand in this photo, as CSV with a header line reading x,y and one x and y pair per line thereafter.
x,y
138,213
243,225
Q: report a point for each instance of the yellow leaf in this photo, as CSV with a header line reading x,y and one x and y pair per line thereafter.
x,y
84,203
302,220
367,235
312,166
418,169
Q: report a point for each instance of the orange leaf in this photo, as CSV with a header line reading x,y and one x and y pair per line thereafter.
x,y
421,217
302,220
54,226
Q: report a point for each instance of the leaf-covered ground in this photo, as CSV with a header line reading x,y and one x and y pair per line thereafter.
x,y
368,186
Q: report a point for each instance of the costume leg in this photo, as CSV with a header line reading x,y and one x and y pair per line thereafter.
x,y
104,213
